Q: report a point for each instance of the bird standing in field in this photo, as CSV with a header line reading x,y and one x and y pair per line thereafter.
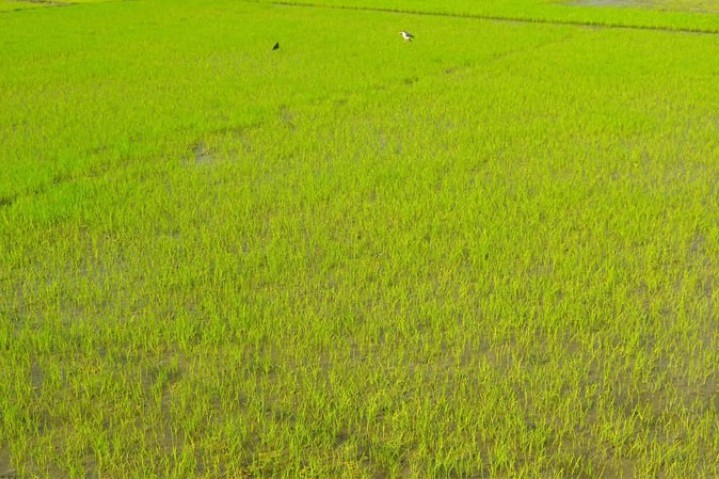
x,y
407,36
276,46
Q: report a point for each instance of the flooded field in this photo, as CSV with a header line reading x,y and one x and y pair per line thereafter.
x,y
490,252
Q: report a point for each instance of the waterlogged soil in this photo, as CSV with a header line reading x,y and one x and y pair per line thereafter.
x,y
6,471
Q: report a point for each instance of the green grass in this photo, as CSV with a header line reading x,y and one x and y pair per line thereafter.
x,y
490,252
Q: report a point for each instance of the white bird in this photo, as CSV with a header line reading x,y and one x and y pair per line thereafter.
x,y
407,36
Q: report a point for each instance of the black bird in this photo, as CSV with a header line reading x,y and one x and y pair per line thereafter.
x,y
276,46
407,36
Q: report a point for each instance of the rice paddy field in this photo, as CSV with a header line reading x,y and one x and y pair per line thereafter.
x,y
489,252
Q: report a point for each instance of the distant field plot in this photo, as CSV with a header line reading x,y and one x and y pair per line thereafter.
x,y
22,4
641,14
11,5
489,252
711,6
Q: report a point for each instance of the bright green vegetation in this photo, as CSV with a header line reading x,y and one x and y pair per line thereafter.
x,y
700,6
491,252
15,5
646,14
703,6
11,5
